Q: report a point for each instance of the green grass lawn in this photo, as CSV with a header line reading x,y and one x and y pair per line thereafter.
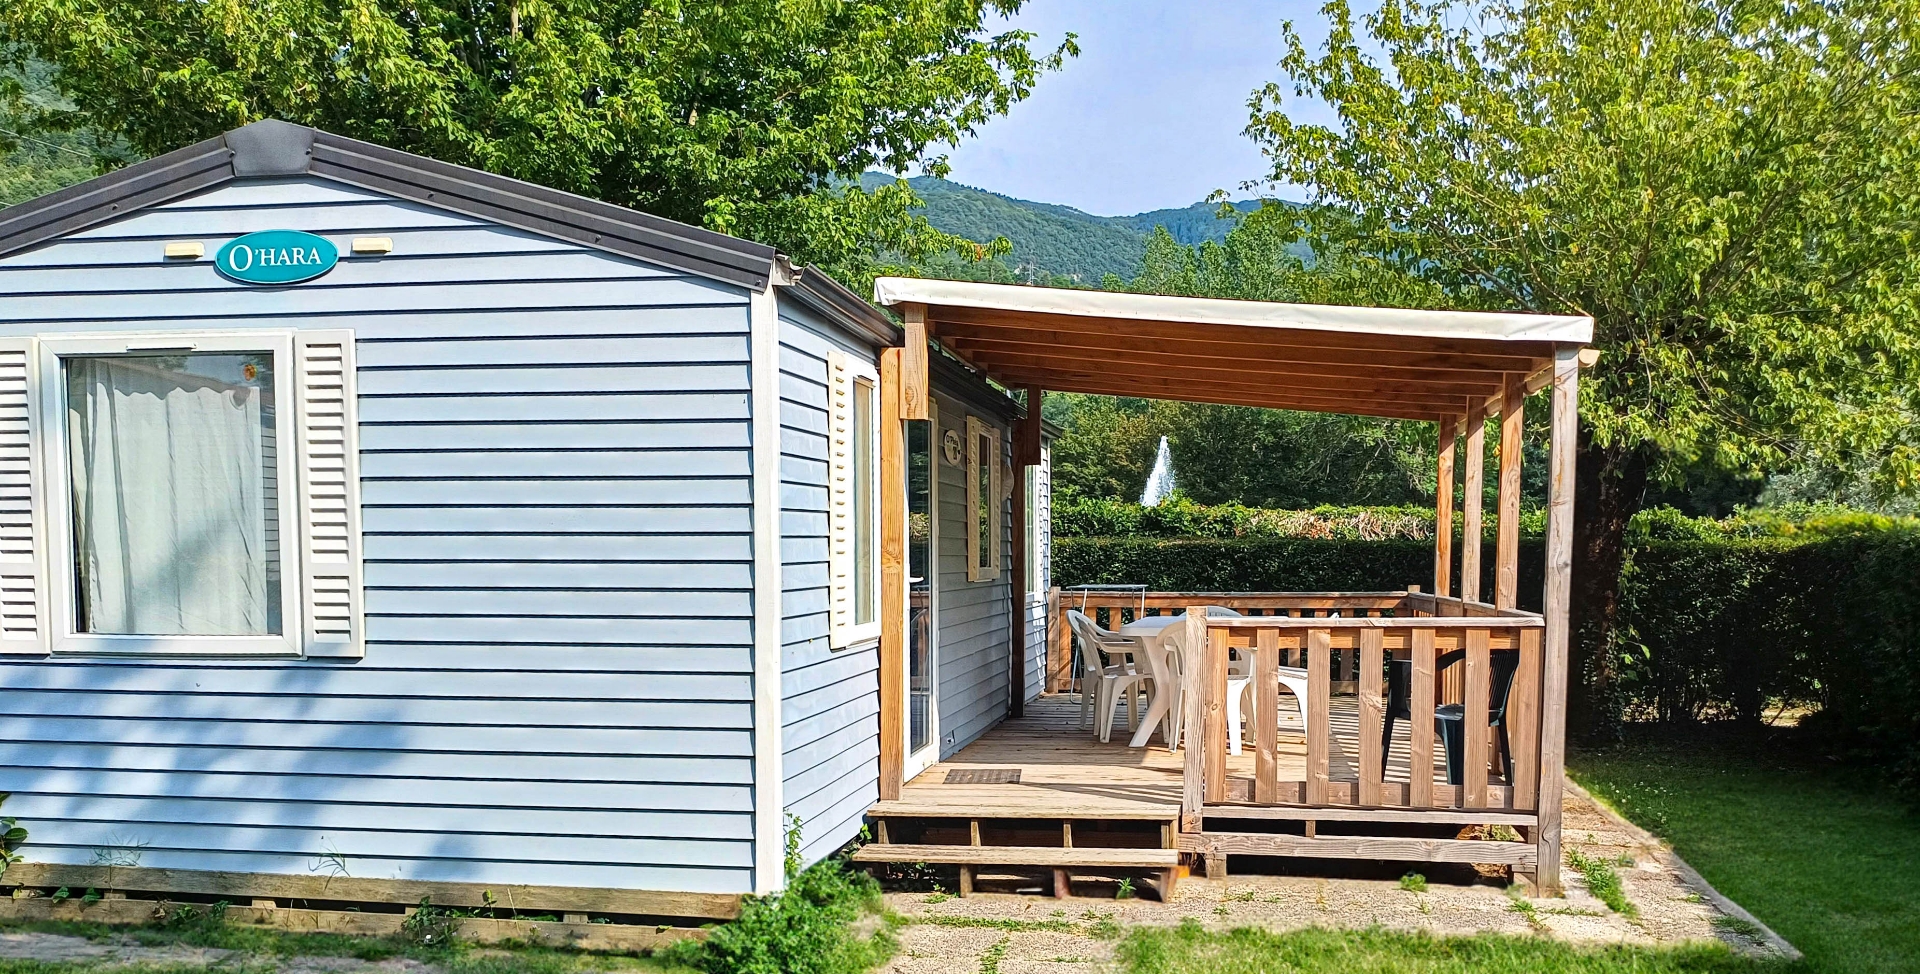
x,y
1823,858
1192,950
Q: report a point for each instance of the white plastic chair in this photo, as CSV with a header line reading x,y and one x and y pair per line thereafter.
x,y
1114,678
1240,685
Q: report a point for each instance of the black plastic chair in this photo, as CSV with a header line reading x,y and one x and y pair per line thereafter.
x,y
1449,719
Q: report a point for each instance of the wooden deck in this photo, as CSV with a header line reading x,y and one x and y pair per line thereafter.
x,y
1065,773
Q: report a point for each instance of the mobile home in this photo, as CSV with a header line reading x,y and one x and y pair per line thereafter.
x,y
381,525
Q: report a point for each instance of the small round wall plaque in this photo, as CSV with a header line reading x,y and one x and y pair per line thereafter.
x,y
950,446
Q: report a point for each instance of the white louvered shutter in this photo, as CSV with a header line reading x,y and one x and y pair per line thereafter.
x,y
329,495
840,526
23,590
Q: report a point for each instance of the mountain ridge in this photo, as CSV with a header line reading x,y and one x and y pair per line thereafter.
x,y
1053,239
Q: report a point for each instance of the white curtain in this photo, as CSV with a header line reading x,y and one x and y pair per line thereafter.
x,y
172,483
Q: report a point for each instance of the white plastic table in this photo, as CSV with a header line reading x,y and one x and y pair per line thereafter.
x,y
1152,630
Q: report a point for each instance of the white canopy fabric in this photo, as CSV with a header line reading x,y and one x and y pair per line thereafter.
x,y
1495,326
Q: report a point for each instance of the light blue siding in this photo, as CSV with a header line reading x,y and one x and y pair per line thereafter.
x,y
555,472
975,617
830,698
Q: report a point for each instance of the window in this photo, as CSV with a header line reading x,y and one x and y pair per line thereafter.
x,y
853,501
985,501
198,494
173,476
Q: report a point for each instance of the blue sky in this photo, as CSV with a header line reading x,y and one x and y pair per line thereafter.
x,y
1149,115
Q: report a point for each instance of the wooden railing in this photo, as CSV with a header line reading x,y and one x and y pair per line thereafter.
x,y
1420,629
1326,633
1114,608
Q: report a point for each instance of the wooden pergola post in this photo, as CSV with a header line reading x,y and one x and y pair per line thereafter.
x,y
1557,604
1473,534
893,577
1443,510
1506,549
914,395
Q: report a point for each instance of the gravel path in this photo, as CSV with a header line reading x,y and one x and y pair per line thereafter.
x,y
1030,933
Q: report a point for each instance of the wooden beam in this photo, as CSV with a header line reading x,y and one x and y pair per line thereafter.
x,y
1366,847
1344,379
1198,393
575,931
354,889
1245,378
1557,600
1473,537
893,577
1193,766
1485,359
1506,550
1263,335
1349,813
1443,511
1248,387
1029,434
914,394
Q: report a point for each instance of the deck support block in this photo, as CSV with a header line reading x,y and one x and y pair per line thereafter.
x,y
1062,884
966,880
1216,865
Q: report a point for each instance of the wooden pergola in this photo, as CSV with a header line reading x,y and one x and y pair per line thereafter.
x,y
1454,369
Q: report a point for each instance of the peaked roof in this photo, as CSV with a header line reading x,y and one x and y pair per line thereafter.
x,y
273,148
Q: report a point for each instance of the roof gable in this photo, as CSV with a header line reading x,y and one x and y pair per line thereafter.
x,y
279,149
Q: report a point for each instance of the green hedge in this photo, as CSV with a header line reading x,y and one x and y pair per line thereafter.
x,y
1721,624
1269,564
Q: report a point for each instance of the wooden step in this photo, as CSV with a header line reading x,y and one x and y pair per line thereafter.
x,y
1028,806
1019,855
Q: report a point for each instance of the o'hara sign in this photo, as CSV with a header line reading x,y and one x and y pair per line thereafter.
x,y
276,257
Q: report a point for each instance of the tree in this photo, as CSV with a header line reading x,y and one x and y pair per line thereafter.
x,y
754,117
1258,457
1726,186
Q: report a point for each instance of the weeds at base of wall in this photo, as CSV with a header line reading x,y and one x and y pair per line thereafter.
x,y
814,927
829,920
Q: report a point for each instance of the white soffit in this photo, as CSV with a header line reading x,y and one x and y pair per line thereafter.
x,y
1019,298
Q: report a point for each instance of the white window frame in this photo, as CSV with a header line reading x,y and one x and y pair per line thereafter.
x,y
996,500
844,376
58,496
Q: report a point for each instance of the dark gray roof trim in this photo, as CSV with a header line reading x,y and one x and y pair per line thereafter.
x,y
953,377
181,172
830,299
543,210
275,148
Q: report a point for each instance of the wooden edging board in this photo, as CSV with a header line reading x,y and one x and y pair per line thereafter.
x,y
347,889
584,936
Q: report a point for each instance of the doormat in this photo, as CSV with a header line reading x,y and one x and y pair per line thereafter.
x,y
983,776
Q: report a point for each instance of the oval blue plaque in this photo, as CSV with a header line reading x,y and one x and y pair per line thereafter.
x,y
276,257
